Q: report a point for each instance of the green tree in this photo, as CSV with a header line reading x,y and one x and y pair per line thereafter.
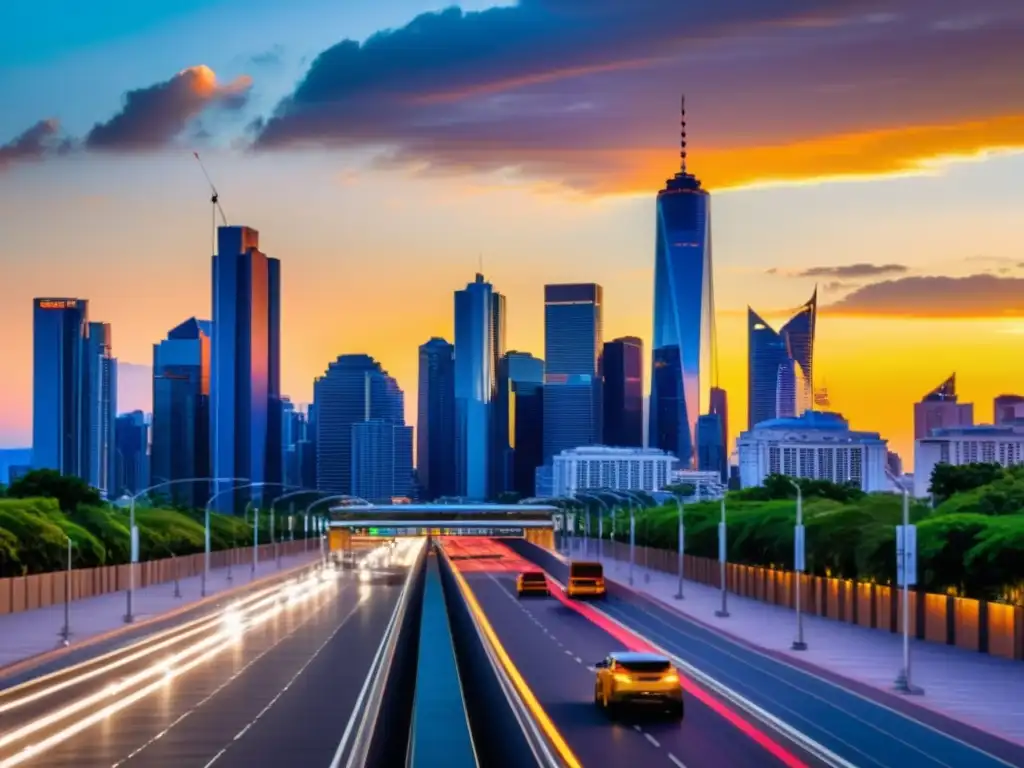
x,y
948,480
69,491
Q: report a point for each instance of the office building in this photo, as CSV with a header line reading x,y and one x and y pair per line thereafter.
x,y
381,461
131,454
520,400
181,412
684,312
894,463
435,420
355,388
711,456
817,445
720,408
100,407
1008,410
245,407
623,363
573,345
474,386
60,329
610,468
956,446
941,409
780,365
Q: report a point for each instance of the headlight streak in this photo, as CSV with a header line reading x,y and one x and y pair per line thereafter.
x,y
164,670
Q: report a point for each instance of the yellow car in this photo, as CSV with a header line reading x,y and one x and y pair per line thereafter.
x,y
643,679
585,580
532,583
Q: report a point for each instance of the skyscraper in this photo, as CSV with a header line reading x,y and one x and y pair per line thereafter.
x,y
780,365
474,386
381,460
684,311
181,411
573,344
355,388
100,407
435,420
499,451
245,411
1007,410
720,408
131,455
624,392
521,389
941,409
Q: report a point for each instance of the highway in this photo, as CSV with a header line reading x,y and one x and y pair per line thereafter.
x,y
855,730
554,648
278,678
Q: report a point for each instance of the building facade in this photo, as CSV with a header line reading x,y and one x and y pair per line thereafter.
x,y
684,312
817,445
1008,410
245,393
381,461
435,420
623,363
611,468
720,408
521,388
474,387
131,462
100,411
987,444
181,412
355,388
573,344
780,365
941,409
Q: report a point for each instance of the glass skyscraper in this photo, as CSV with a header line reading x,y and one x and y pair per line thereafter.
x,y
435,420
355,388
475,338
245,391
381,461
624,392
131,462
181,412
780,365
100,409
573,343
684,312
520,403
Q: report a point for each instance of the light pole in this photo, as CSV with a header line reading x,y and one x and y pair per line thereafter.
x,y
240,484
65,633
682,542
799,565
326,499
629,499
134,534
600,521
723,613
906,561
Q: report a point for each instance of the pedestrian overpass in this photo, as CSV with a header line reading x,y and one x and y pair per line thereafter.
x,y
351,526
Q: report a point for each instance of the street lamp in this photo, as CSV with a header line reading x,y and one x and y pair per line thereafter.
x,y
326,499
798,564
723,613
292,494
600,521
629,497
134,534
906,567
682,541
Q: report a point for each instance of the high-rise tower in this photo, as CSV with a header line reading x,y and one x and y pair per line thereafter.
x,y
684,311
475,311
780,365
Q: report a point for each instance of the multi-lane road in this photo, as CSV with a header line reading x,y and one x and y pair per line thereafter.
x,y
277,678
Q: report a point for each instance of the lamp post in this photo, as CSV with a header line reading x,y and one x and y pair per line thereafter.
x,y
906,561
799,565
723,612
65,633
129,616
629,499
600,521
682,541
324,500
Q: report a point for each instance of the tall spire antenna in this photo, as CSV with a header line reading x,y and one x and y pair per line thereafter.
x,y
682,133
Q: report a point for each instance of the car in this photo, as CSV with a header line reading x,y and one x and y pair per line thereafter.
x,y
648,680
532,583
585,580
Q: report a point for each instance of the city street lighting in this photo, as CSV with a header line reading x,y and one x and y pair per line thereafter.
x,y
327,499
723,553
798,564
906,562
682,541
133,533
629,498
600,521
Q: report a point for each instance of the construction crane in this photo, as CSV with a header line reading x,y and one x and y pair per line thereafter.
x,y
214,203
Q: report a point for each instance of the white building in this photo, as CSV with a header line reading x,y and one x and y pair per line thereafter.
x,y
617,469
965,445
817,445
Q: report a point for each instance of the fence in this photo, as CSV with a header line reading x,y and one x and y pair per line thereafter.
x,y
40,590
976,625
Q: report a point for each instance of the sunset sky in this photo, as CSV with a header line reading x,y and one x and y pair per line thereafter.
x,y
384,149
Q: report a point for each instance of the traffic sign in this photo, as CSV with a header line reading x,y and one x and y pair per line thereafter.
x,y
906,555
799,550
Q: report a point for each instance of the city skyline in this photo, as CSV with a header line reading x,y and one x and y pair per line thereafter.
x,y
928,300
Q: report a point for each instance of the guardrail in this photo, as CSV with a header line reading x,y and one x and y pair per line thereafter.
x,y
503,728
440,734
40,590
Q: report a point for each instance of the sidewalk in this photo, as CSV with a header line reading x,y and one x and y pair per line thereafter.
x,y
28,634
977,689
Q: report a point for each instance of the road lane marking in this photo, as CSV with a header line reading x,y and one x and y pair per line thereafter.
x,y
679,763
653,740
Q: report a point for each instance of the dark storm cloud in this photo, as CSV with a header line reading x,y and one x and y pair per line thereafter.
x,y
153,116
972,296
576,88
32,144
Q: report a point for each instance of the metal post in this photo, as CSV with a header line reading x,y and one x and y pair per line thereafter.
x,y
903,681
305,532
177,584
798,571
600,537
632,542
255,539
291,521
129,617
274,537
723,553
65,633
647,546
682,545
206,552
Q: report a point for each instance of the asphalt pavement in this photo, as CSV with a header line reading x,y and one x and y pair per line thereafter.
x,y
857,729
555,648
269,684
